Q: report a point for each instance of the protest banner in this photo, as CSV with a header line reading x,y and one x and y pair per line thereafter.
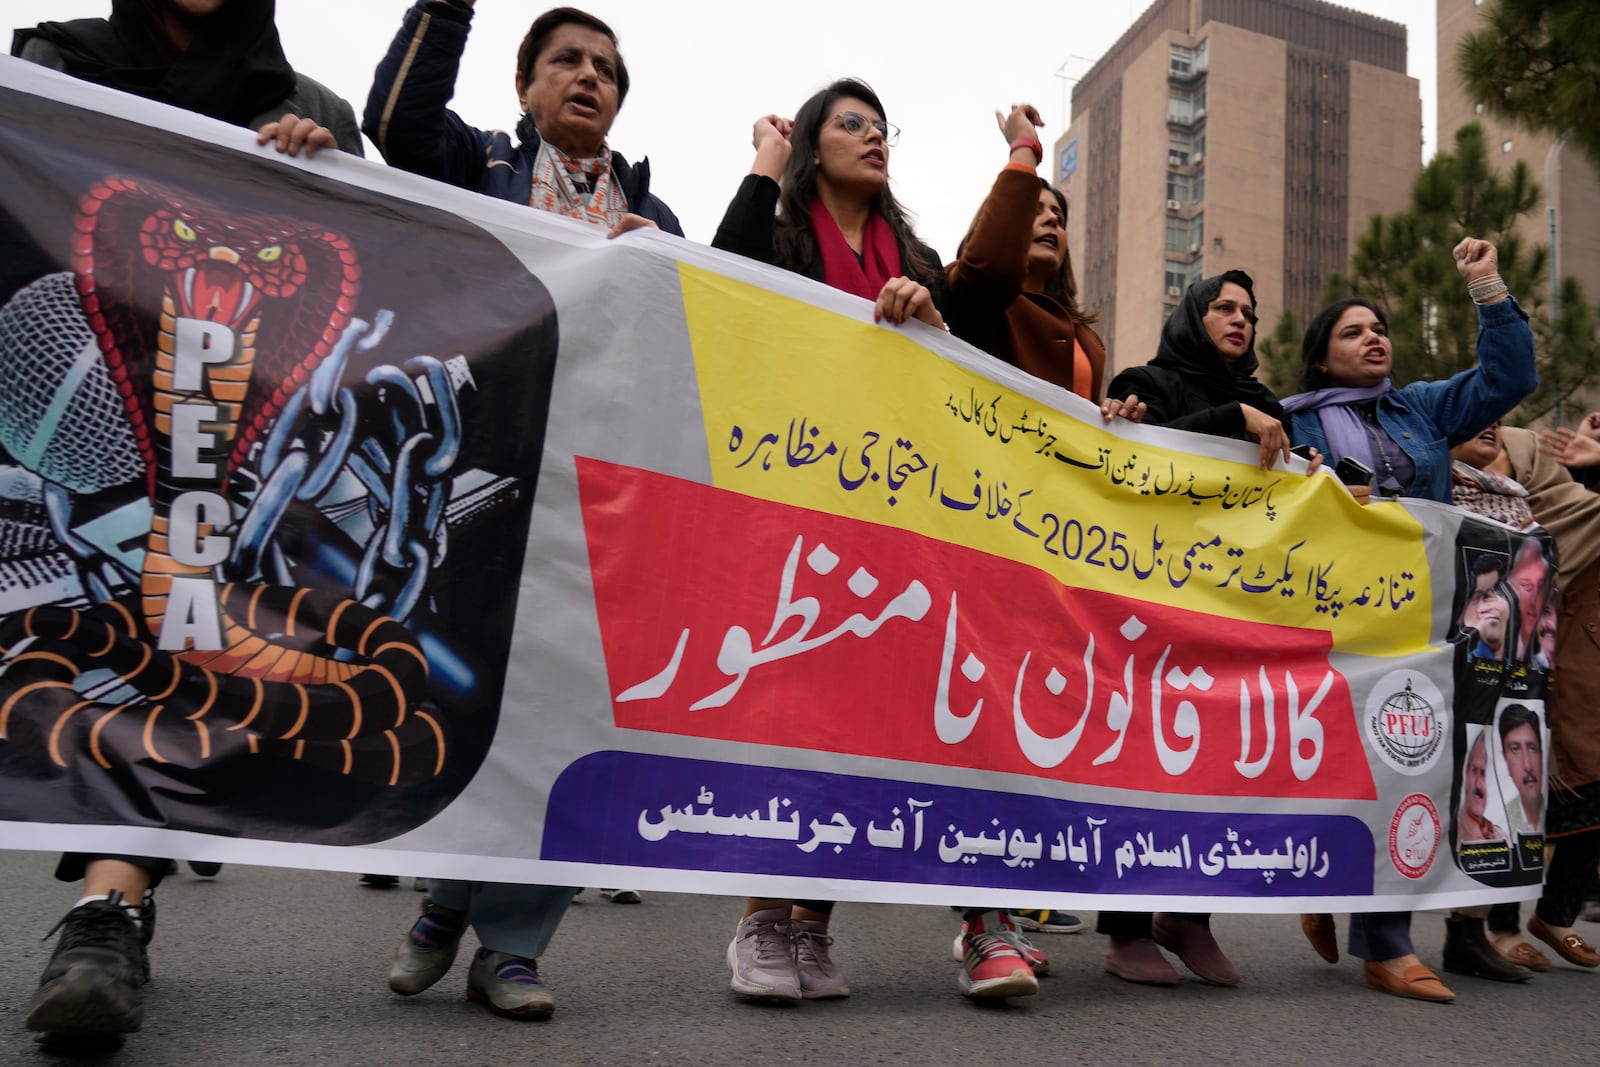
x,y
349,520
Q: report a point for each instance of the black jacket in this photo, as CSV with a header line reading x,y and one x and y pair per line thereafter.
x,y
407,119
747,227
1189,385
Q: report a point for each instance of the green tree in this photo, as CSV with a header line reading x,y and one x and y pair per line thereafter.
x,y
1403,264
1537,62
1278,353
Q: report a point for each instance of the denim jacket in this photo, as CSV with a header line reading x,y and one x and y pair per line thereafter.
x,y
1428,419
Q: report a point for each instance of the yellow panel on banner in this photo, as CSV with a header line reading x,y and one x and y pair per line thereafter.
x,y
810,408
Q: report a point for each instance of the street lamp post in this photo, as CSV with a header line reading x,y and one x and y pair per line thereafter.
x,y
1551,188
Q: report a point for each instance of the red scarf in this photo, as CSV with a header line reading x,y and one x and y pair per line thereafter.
x,y
864,277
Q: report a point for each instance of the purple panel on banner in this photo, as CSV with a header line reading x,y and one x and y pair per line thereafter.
x,y
656,811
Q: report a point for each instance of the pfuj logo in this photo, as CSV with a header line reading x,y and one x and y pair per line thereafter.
x,y
1406,721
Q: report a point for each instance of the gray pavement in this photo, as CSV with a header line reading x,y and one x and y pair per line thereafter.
x,y
264,966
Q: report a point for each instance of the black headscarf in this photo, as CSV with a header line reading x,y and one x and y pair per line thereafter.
x,y
234,69
1188,351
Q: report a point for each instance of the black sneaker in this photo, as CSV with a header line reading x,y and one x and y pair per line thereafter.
x,y
93,985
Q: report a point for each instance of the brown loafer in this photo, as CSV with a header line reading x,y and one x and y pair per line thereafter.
x,y
1193,943
1572,948
1136,959
1323,935
1418,983
1525,955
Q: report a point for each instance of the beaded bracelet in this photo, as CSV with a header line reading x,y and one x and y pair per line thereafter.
x,y
1489,287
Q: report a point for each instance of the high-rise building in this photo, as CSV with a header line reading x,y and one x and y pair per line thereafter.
x,y
1257,134
1568,175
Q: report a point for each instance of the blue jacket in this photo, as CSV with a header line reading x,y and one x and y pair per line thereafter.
x,y
1428,419
407,119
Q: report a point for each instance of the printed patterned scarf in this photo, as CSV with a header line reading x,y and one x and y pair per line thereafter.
x,y
577,188
1494,496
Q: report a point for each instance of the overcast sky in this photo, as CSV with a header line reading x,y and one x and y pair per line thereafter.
x,y
703,70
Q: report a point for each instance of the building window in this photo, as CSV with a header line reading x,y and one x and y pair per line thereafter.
x,y
1177,235
1177,187
1184,62
1177,278
1184,106
1185,148
1184,236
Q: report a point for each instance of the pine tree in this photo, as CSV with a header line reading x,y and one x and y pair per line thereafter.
x,y
1537,62
1278,354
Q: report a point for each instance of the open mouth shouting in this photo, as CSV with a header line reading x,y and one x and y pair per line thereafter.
x,y
875,157
585,104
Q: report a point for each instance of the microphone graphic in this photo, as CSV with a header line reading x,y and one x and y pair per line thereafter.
x,y
60,415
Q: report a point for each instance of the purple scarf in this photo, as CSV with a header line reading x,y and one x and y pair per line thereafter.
x,y
1341,422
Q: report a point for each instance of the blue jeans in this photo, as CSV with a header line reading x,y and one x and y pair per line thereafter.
x,y
506,916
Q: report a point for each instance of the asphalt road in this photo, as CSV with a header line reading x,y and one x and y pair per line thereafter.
x,y
264,966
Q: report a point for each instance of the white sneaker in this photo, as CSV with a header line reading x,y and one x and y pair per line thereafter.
x,y
762,956
820,977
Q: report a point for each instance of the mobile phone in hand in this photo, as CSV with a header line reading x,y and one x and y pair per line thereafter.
x,y
1352,471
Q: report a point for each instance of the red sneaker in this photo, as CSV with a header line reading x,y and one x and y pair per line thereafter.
x,y
991,966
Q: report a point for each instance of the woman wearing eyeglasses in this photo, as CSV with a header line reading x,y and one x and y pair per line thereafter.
x,y
826,174
1203,377
817,202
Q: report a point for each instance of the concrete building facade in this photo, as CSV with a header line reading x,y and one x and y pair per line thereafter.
x,y
1256,134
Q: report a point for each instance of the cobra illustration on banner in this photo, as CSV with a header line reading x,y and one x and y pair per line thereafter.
x,y
239,505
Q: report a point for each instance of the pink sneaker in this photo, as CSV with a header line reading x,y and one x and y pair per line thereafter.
x,y
1001,925
820,978
990,965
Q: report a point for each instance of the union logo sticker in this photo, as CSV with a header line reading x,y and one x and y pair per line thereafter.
x,y
1406,721
1414,835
